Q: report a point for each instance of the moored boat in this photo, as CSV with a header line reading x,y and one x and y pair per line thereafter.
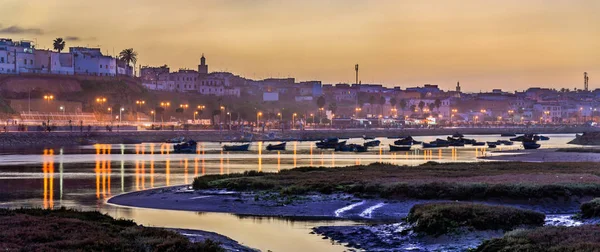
x,y
458,135
187,147
478,144
508,135
373,143
430,145
531,145
175,140
243,147
272,147
394,148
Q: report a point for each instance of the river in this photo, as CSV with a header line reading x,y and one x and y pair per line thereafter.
x,y
84,177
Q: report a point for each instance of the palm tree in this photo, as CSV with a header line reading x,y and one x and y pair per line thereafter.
x,y
321,105
381,103
431,106
403,105
438,104
333,107
421,105
129,56
59,44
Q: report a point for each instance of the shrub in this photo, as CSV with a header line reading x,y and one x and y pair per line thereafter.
x,y
583,238
591,209
441,218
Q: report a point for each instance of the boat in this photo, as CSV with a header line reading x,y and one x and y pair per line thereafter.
x,y
456,144
491,146
525,138
329,143
175,140
368,138
531,145
493,143
359,148
458,135
373,143
404,142
544,138
243,147
505,142
187,147
508,135
479,144
430,145
351,148
272,147
394,148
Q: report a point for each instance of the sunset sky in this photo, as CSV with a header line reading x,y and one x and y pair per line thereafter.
x,y
484,44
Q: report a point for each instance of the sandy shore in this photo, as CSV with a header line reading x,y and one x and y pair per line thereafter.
x,y
542,155
226,243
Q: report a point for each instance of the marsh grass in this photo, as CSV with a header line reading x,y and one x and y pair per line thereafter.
x,y
456,181
71,230
441,218
551,238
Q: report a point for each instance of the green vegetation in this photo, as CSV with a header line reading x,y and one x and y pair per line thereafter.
x,y
582,238
591,209
441,218
456,181
4,107
57,230
580,150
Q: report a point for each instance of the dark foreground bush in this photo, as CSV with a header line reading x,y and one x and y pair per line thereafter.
x,y
582,238
591,209
441,218
70,230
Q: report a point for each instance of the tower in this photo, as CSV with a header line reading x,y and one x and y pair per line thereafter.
x,y
585,81
203,67
356,69
458,86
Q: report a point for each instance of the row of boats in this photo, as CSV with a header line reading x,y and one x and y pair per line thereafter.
x,y
529,141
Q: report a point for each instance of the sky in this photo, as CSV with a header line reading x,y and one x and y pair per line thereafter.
x,y
484,44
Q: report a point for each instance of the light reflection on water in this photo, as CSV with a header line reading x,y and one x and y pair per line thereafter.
x,y
91,174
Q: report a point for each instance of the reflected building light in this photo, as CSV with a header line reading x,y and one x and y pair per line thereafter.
x,y
48,171
122,168
185,170
168,172
61,172
278,161
311,155
260,156
196,166
295,148
228,166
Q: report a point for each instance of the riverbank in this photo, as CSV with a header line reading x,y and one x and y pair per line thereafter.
x,y
546,155
57,139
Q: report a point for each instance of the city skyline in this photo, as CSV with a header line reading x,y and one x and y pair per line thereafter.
x,y
483,44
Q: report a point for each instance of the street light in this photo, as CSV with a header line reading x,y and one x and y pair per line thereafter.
x,y
294,120
258,115
195,113
62,108
153,116
48,98
120,115
280,116
111,114
313,118
229,114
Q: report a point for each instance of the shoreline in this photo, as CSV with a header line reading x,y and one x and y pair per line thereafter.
x,y
54,139
542,155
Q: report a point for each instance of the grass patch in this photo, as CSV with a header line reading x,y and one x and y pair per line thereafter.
x,y
62,229
591,209
582,238
455,181
441,218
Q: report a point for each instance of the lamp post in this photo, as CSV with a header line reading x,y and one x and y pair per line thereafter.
x,y
111,114
294,120
120,114
229,123
139,103
101,100
62,108
454,111
153,116
164,105
258,115
195,113
510,114
48,98
313,118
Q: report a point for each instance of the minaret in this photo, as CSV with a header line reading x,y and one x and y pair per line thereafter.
x,y
203,68
458,86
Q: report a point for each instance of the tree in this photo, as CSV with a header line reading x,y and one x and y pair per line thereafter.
x,y
438,104
129,56
403,105
431,106
421,105
413,108
321,102
393,102
333,107
59,44
381,103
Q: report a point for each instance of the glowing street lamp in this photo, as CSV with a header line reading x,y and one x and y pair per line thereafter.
x,y
195,113
258,115
62,108
280,116
313,118
111,114
120,114
294,120
48,98
153,115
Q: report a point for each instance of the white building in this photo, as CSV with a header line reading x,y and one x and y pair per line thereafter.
x,y
16,56
91,61
52,62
